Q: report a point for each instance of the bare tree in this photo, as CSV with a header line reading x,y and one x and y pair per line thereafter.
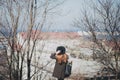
x,y
25,15
103,24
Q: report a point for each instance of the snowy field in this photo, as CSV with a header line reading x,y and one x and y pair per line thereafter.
x,y
79,66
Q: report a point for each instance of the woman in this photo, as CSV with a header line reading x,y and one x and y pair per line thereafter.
x,y
61,60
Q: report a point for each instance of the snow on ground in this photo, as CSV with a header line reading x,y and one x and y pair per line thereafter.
x,y
52,44
79,66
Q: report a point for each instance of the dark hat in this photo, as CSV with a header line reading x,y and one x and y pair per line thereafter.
x,y
62,49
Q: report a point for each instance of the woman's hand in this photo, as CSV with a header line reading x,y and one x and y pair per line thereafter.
x,y
58,52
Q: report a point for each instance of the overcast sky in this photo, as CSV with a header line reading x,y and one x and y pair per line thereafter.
x,y
68,11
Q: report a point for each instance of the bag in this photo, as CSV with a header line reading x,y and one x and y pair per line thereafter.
x,y
68,69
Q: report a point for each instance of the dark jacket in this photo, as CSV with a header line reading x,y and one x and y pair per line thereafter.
x,y
59,69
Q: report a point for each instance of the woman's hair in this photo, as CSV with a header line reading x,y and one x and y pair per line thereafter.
x,y
62,49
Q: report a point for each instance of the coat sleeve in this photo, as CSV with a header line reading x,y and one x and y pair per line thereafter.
x,y
52,56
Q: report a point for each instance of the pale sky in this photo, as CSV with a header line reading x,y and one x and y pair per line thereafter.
x,y
68,11
66,14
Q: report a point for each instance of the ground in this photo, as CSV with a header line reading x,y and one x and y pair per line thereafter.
x,y
81,67
84,67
